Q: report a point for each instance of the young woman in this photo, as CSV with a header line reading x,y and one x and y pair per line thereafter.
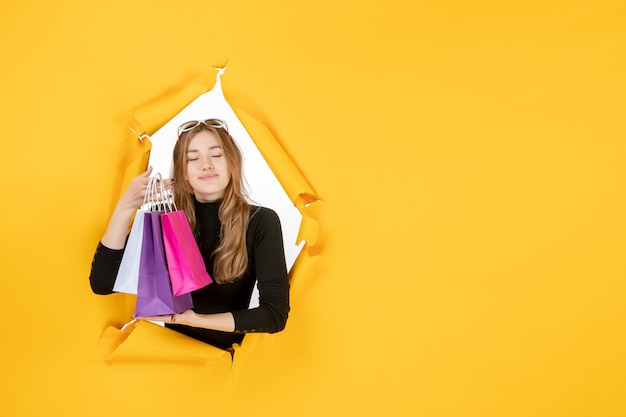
x,y
241,243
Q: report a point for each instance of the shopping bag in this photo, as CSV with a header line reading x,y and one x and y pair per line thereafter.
x,y
184,261
154,290
128,273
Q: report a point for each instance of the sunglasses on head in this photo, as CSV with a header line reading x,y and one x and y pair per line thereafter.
x,y
187,126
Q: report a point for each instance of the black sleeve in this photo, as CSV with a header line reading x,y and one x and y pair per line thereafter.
x,y
271,274
104,266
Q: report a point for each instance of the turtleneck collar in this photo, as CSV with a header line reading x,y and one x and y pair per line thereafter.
x,y
209,209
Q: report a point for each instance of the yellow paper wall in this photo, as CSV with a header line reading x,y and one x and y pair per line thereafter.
x,y
470,156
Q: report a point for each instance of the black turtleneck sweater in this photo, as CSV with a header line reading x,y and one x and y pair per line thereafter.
x,y
266,265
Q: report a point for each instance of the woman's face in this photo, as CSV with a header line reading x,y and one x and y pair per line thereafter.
x,y
207,170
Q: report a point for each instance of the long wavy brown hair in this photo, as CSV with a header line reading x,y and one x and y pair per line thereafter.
x,y
230,258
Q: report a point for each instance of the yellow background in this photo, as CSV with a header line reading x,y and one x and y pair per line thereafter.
x,y
470,156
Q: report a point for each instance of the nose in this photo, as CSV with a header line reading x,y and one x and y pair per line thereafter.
x,y
207,165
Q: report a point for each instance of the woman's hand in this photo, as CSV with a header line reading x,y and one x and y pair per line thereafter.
x,y
135,193
224,322
115,235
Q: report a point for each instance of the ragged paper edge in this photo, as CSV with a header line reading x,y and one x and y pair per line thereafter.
x,y
289,176
148,119
143,341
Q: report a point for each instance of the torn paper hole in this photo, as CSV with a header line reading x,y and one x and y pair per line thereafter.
x,y
262,185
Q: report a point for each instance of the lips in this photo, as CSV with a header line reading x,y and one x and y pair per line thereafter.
x,y
207,176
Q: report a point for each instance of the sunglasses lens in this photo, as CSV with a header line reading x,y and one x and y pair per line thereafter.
x,y
215,123
187,126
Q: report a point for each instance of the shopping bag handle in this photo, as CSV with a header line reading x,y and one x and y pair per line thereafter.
x,y
147,197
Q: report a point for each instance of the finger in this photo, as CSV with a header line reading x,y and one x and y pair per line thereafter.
x,y
144,179
168,183
147,172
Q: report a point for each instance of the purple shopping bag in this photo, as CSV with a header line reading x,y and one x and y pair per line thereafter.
x,y
154,290
184,261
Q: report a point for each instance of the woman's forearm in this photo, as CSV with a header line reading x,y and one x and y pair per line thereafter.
x,y
115,235
224,322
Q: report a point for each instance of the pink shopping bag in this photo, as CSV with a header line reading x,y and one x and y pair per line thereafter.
x,y
184,261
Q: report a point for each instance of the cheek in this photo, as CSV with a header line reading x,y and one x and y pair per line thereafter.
x,y
186,172
225,166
